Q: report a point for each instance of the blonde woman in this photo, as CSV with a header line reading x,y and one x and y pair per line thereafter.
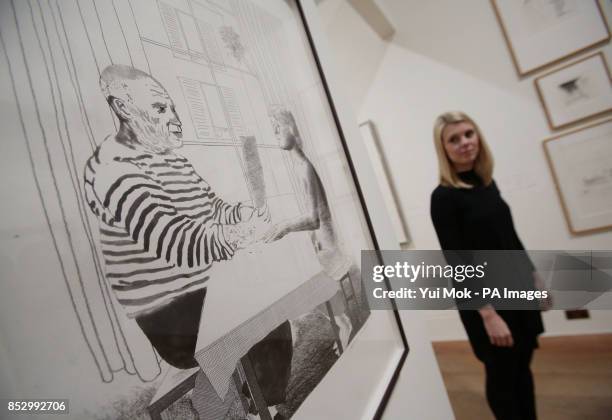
x,y
469,213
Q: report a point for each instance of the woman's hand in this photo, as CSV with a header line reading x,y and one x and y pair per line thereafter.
x,y
547,303
497,329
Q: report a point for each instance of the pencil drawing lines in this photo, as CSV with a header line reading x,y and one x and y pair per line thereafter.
x,y
70,69
117,332
70,65
55,149
66,140
255,174
190,37
36,175
575,90
200,115
173,28
220,5
232,42
110,58
129,2
223,64
127,48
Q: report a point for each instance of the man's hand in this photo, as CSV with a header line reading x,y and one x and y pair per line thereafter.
x,y
263,213
246,212
254,222
497,329
275,233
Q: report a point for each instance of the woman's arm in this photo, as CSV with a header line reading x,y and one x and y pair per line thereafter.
x,y
496,328
445,214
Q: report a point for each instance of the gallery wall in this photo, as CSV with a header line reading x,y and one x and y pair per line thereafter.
x,y
420,391
452,55
357,49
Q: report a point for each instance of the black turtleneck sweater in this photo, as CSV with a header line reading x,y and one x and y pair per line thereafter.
x,y
478,218
473,219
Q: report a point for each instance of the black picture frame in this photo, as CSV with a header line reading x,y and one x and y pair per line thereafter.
x,y
70,234
394,378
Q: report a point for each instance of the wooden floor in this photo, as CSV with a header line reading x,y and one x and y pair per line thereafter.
x,y
573,378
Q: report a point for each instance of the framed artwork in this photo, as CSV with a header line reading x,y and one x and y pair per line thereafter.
x,y
542,32
196,215
581,165
387,188
576,92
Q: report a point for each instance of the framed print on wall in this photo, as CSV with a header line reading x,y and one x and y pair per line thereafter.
x,y
581,165
184,186
379,165
576,92
542,32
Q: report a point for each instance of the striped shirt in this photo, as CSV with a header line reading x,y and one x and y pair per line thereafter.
x,y
161,225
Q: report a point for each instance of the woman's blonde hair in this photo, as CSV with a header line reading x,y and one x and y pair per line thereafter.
x,y
484,161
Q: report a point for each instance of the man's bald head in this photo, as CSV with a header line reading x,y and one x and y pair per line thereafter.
x,y
143,106
117,81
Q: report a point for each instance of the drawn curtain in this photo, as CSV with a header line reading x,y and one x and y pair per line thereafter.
x,y
64,117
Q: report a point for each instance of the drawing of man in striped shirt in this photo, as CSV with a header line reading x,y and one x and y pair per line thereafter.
x,y
161,225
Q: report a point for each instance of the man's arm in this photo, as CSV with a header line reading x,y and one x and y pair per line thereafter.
x,y
230,214
307,221
180,226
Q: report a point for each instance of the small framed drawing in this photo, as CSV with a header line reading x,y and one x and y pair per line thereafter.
x,y
387,188
581,165
542,32
576,92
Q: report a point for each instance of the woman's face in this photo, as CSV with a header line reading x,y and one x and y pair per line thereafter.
x,y
461,143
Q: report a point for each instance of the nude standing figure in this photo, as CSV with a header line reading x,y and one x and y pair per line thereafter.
x,y
316,218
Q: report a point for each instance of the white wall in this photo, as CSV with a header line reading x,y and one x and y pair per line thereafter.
x,y
357,49
420,392
452,55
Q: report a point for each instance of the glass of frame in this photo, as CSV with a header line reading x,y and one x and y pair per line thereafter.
x,y
542,32
580,162
187,189
576,92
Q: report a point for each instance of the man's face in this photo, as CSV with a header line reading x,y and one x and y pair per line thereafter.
x,y
153,117
284,135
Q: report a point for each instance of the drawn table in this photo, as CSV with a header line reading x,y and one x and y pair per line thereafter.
x,y
250,295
